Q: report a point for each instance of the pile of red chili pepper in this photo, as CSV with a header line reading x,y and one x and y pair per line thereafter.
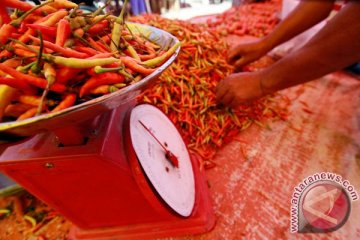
x,y
25,217
186,90
54,56
257,19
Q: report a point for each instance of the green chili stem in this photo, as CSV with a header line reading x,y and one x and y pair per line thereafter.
x,y
36,68
25,69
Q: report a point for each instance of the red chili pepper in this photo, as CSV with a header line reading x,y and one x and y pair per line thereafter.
x,y
101,55
147,57
16,109
12,62
35,81
63,32
46,21
87,50
18,84
103,46
91,72
5,54
19,46
133,65
5,31
208,164
26,36
108,78
79,33
65,74
42,19
29,100
15,35
24,53
23,28
58,4
28,114
23,6
32,18
95,45
106,39
51,31
113,65
54,18
99,27
48,38
67,52
4,16
18,21
68,101
150,46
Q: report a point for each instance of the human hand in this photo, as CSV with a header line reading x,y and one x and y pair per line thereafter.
x,y
239,88
243,54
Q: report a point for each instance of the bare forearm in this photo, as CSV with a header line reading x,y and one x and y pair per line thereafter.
x,y
336,46
307,14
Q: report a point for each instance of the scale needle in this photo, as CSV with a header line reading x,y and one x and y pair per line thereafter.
x,y
168,154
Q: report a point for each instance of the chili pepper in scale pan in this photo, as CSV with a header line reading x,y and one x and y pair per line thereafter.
x,y
4,16
35,81
108,78
59,4
67,52
16,109
134,65
56,55
7,29
18,84
25,6
68,101
63,32
50,31
118,25
28,114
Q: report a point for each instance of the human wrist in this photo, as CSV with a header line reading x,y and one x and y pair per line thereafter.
x,y
266,44
265,82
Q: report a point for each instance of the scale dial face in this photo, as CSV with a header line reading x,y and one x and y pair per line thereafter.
x,y
175,185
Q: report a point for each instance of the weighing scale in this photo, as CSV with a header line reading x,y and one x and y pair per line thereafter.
x,y
115,168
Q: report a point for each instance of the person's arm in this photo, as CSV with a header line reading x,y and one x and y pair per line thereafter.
x,y
333,48
307,14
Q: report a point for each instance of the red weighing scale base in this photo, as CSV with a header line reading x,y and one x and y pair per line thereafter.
x,y
99,185
202,220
